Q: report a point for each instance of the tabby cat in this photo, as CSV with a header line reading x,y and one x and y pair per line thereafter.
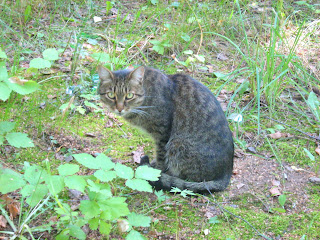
x,y
193,139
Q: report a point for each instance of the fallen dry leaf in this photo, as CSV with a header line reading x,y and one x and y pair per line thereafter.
x,y
17,80
138,154
275,135
92,135
97,19
317,150
275,191
3,222
276,183
51,96
109,123
12,206
123,225
297,169
222,57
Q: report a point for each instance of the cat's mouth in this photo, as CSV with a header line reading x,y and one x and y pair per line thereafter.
x,y
122,113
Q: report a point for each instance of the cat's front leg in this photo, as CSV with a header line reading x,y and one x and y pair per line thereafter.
x,y
160,163
146,161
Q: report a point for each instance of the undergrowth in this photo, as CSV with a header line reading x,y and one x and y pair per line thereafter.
x,y
257,57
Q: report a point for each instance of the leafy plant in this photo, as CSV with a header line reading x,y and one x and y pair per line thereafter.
x,y
282,200
104,204
184,193
16,84
49,55
15,139
160,45
314,105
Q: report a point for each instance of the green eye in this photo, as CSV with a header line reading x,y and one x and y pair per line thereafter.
x,y
129,95
110,94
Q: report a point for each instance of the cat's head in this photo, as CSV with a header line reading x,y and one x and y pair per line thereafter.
x,y
121,91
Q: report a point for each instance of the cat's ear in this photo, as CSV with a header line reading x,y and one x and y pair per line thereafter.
x,y
137,74
105,74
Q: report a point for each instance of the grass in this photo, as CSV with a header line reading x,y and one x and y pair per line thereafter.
x,y
256,58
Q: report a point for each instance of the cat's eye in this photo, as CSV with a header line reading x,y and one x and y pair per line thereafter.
x,y
110,94
129,95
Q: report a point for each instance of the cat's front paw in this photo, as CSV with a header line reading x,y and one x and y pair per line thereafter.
x,y
144,160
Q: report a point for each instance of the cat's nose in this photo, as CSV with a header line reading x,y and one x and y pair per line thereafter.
x,y
120,107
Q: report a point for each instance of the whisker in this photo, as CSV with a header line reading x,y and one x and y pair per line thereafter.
x,y
145,107
140,112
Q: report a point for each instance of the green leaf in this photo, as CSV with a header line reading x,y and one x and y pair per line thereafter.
x,y
3,72
35,193
282,200
68,169
3,54
100,162
154,2
314,104
50,54
148,173
90,208
39,63
63,235
138,220
101,57
35,175
134,235
160,195
105,228
189,52
75,182
27,13
309,154
65,105
139,184
159,49
94,223
26,88
108,7
123,171
4,91
19,140
81,110
200,58
105,176
6,127
76,231
55,184
221,75
10,181
1,140
102,189
185,37
280,210
214,220
90,104
243,87
114,208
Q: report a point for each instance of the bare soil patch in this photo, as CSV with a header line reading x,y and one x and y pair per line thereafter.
x,y
265,179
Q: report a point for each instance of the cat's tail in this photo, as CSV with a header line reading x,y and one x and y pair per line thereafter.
x,y
167,182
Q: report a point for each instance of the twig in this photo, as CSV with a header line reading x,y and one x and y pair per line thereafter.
x,y
315,138
110,39
225,210
139,49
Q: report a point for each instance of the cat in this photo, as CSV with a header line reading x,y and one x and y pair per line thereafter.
x,y
193,141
